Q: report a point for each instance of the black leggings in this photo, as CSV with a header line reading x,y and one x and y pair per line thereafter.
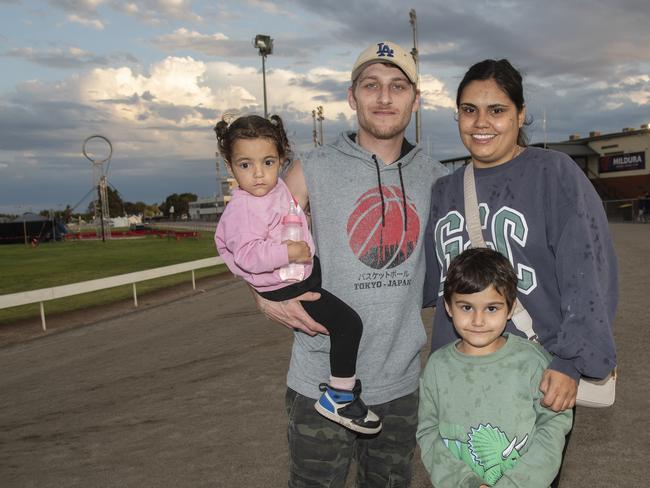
x,y
340,320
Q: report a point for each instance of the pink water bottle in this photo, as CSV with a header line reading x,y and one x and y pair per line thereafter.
x,y
292,231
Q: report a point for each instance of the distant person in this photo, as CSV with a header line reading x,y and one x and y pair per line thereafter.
x,y
540,211
249,239
644,207
481,422
368,194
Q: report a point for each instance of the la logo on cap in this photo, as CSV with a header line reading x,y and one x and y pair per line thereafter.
x,y
385,50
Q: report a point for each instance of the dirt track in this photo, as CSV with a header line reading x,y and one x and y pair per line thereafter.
x,y
189,391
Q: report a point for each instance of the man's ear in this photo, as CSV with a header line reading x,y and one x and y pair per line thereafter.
x,y
351,100
416,102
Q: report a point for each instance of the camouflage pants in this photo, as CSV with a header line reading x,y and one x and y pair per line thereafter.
x,y
321,451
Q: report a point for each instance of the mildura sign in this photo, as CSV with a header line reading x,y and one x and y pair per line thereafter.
x,y
622,162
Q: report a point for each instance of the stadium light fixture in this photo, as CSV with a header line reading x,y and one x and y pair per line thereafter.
x,y
264,44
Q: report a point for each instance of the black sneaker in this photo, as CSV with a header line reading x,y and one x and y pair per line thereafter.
x,y
346,408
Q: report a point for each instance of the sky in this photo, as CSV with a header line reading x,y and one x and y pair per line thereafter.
x,y
154,77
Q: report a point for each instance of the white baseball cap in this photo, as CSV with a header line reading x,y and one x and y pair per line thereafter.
x,y
386,52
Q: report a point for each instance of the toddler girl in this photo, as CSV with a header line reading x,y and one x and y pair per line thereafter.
x,y
248,238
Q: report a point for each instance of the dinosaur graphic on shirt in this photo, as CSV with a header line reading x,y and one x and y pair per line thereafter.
x,y
488,451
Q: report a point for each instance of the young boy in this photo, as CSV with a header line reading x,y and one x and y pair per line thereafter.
x,y
480,419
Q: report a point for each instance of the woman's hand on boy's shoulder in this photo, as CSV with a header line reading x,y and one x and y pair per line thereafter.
x,y
560,390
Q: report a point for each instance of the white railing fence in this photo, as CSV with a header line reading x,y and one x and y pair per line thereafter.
x,y
46,294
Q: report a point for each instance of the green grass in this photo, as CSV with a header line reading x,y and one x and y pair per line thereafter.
x,y
24,268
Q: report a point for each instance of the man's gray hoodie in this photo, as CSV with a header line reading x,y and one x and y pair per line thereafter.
x,y
368,222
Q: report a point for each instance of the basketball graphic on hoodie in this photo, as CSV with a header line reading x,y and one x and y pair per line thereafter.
x,y
388,244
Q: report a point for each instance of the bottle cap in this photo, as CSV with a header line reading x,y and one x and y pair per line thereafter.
x,y
292,217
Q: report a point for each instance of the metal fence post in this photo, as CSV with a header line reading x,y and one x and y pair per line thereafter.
x,y
43,317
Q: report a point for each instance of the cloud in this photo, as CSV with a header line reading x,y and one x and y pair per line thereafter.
x,y
93,23
585,68
171,82
184,37
634,88
566,38
433,94
168,111
66,58
159,121
217,44
574,59
301,50
87,7
158,11
270,8
41,131
83,12
86,12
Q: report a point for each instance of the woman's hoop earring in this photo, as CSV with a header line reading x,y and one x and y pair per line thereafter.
x,y
456,116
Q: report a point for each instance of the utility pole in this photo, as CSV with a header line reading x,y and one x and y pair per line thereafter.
x,y
314,133
320,122
414,52
544,126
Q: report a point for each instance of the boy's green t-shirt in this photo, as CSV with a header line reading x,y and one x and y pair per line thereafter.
x,y
481,421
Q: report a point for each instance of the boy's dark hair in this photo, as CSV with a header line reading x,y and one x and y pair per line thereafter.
x,y
252,127
476,269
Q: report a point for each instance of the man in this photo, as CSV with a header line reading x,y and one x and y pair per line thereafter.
x,y
369,195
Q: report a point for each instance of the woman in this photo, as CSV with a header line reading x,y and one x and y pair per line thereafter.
x,y
539,210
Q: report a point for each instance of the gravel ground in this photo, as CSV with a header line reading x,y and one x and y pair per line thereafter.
x,y
188,390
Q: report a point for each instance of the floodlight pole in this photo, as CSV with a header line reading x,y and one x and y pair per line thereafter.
x,y
414,52
266,112
264,44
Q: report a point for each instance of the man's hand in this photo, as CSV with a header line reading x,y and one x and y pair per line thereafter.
x,y
290,313
559,390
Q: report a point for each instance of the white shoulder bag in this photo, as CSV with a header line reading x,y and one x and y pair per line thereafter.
x,y
591,393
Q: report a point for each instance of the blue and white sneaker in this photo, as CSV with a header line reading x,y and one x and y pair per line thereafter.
x,y
346,408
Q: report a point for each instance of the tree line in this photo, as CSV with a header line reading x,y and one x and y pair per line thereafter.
x,y
174,205
117,207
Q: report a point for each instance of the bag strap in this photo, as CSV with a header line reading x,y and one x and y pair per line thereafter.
x,y
472,216
520,317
